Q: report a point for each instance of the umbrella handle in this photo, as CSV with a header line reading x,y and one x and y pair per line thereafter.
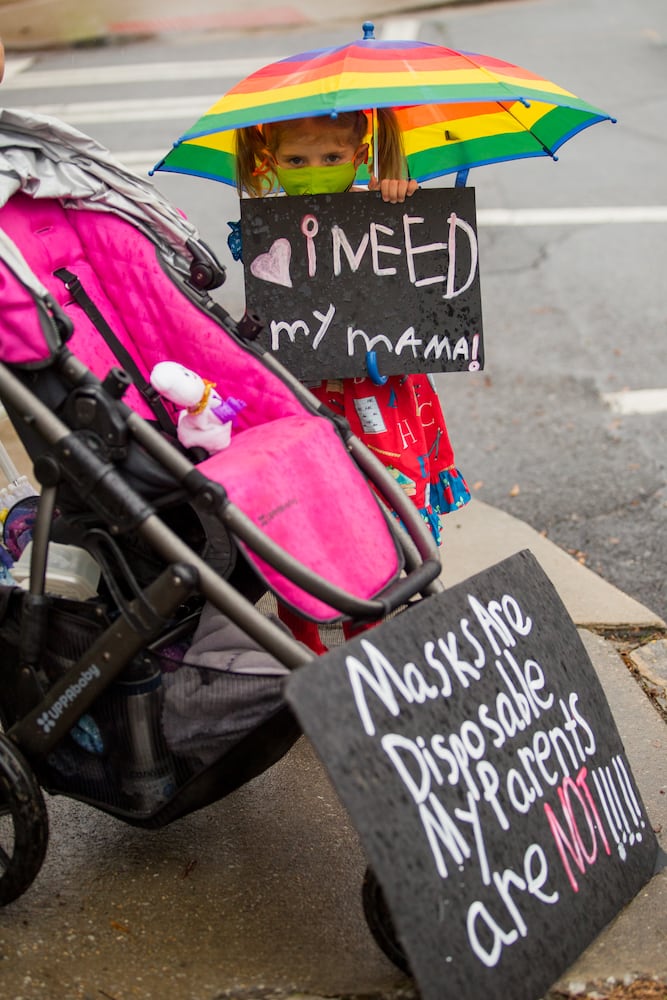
x,y
373,370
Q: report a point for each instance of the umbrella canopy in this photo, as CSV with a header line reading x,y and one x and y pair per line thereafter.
x,y
457,110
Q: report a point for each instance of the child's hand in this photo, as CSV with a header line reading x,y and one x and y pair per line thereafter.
x,y
393,190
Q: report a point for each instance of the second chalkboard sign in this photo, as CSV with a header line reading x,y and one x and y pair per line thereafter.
x,y
473,746
337,276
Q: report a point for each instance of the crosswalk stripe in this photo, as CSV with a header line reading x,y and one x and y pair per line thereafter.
x,y
88,76
400,29
13,68
19,76
637,401
135,110
572,216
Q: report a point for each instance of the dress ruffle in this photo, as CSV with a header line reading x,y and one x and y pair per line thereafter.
x,y
450,492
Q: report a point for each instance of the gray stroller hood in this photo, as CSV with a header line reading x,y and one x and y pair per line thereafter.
x,y
45,158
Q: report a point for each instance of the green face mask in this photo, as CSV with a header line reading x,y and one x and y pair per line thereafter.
x,y
316,180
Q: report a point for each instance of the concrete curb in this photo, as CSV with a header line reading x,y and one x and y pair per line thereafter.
x,y
478,536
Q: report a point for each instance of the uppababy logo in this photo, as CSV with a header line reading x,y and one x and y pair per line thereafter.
x,y
268,515
47,720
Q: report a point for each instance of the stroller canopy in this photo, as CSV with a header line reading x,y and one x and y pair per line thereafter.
x,y
46,158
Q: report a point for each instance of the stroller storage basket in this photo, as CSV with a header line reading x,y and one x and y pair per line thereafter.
x,y
161,725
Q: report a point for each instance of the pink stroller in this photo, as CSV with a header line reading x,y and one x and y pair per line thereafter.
x,y
102,698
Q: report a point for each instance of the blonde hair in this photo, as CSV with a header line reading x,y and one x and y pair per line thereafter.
x,y
254,170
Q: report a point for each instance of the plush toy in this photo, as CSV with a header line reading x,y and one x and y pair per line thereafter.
x,y
205,420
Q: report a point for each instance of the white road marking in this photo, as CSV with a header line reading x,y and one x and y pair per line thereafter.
x,y
13,67
571,216
141,162
399,29
637,401
89,76
136,110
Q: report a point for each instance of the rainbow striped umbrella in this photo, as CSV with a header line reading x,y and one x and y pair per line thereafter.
x,y
457,110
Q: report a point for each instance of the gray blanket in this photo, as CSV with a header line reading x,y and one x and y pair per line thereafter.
x,y
226,686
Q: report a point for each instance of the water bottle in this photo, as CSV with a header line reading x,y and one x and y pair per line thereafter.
x,y
145,767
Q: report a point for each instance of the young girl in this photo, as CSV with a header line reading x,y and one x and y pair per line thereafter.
x,y
401,421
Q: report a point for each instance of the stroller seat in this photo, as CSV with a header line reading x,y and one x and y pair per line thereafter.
x,y
258,473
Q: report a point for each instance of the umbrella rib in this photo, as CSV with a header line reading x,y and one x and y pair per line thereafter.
x,y
530,131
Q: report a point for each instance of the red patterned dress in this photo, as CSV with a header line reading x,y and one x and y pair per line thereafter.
x,y
402,423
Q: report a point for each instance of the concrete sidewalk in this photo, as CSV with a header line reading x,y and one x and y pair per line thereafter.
x,y
259,895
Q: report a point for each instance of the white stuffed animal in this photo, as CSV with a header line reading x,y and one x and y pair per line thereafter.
x,y
205,420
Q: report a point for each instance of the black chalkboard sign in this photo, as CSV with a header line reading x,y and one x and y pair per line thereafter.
x,y
475,751
336,276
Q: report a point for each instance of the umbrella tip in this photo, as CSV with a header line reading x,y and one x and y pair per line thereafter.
x,y
368,29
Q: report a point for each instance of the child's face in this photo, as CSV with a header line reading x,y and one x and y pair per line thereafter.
x,y
316,156
313,143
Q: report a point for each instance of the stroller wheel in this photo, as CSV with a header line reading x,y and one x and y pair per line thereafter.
x,y
24,827
380,922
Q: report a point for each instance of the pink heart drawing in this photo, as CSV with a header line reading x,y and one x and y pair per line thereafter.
x,y
274,264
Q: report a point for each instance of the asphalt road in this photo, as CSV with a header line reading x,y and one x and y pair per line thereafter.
x,y
573,308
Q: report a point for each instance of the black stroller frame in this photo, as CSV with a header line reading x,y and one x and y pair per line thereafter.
x,y
42,711
76,675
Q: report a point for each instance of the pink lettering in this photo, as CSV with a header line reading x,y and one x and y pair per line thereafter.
x,y
570,842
